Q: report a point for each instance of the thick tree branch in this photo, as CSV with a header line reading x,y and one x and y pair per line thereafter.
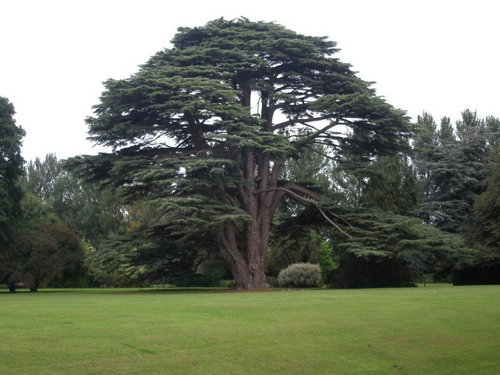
x,y
305,201
315,135
282,191
295,196
187,236
249,167
301,120
227,244
226,198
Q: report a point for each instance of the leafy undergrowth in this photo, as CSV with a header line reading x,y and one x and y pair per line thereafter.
x,y
432,330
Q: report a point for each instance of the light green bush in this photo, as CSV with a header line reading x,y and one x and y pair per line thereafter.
x,y
300,275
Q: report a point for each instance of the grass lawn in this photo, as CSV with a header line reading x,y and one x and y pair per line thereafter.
x,y
438,329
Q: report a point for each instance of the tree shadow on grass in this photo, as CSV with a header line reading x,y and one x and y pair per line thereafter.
x,y
114,291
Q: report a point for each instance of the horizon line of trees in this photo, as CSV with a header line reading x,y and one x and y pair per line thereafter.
x,y
77,234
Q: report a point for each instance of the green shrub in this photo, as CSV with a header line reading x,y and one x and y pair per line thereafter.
x,y
211,272
271,281
300,275
326,264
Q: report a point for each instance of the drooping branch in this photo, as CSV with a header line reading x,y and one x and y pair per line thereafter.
x,y
341,218
331,222
287,190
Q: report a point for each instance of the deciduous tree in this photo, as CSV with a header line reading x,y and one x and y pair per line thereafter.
x,y
40,249
91,213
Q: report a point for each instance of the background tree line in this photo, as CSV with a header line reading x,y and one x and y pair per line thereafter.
x,y
78,234
200,185
447,181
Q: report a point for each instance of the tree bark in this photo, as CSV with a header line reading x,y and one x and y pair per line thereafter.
x,y
246,258
34,287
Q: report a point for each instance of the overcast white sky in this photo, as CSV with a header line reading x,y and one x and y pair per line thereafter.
x,y
440,56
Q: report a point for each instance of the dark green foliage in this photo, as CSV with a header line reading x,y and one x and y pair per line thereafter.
x,y
454,172
400,242
484,230
300,275
11,168
417,246
290,245
143,256
36,257
425,138
379,194
446,131
493,131
389,184
184,135
478,275
457,198
177,263
214,271
373,272
41,249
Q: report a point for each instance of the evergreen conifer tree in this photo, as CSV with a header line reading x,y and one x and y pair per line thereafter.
x,y
11,168
204,129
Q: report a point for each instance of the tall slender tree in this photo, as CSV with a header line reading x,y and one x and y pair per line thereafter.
x,y
11,168
203,129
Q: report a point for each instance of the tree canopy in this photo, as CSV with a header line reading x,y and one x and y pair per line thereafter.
x,y
485,229
88,211
49,252
204,128
454,168
40,249
11,167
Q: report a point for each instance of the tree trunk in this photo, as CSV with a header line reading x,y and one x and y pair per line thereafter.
x,y
34,287
249,276
247,259
12,288
246,254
